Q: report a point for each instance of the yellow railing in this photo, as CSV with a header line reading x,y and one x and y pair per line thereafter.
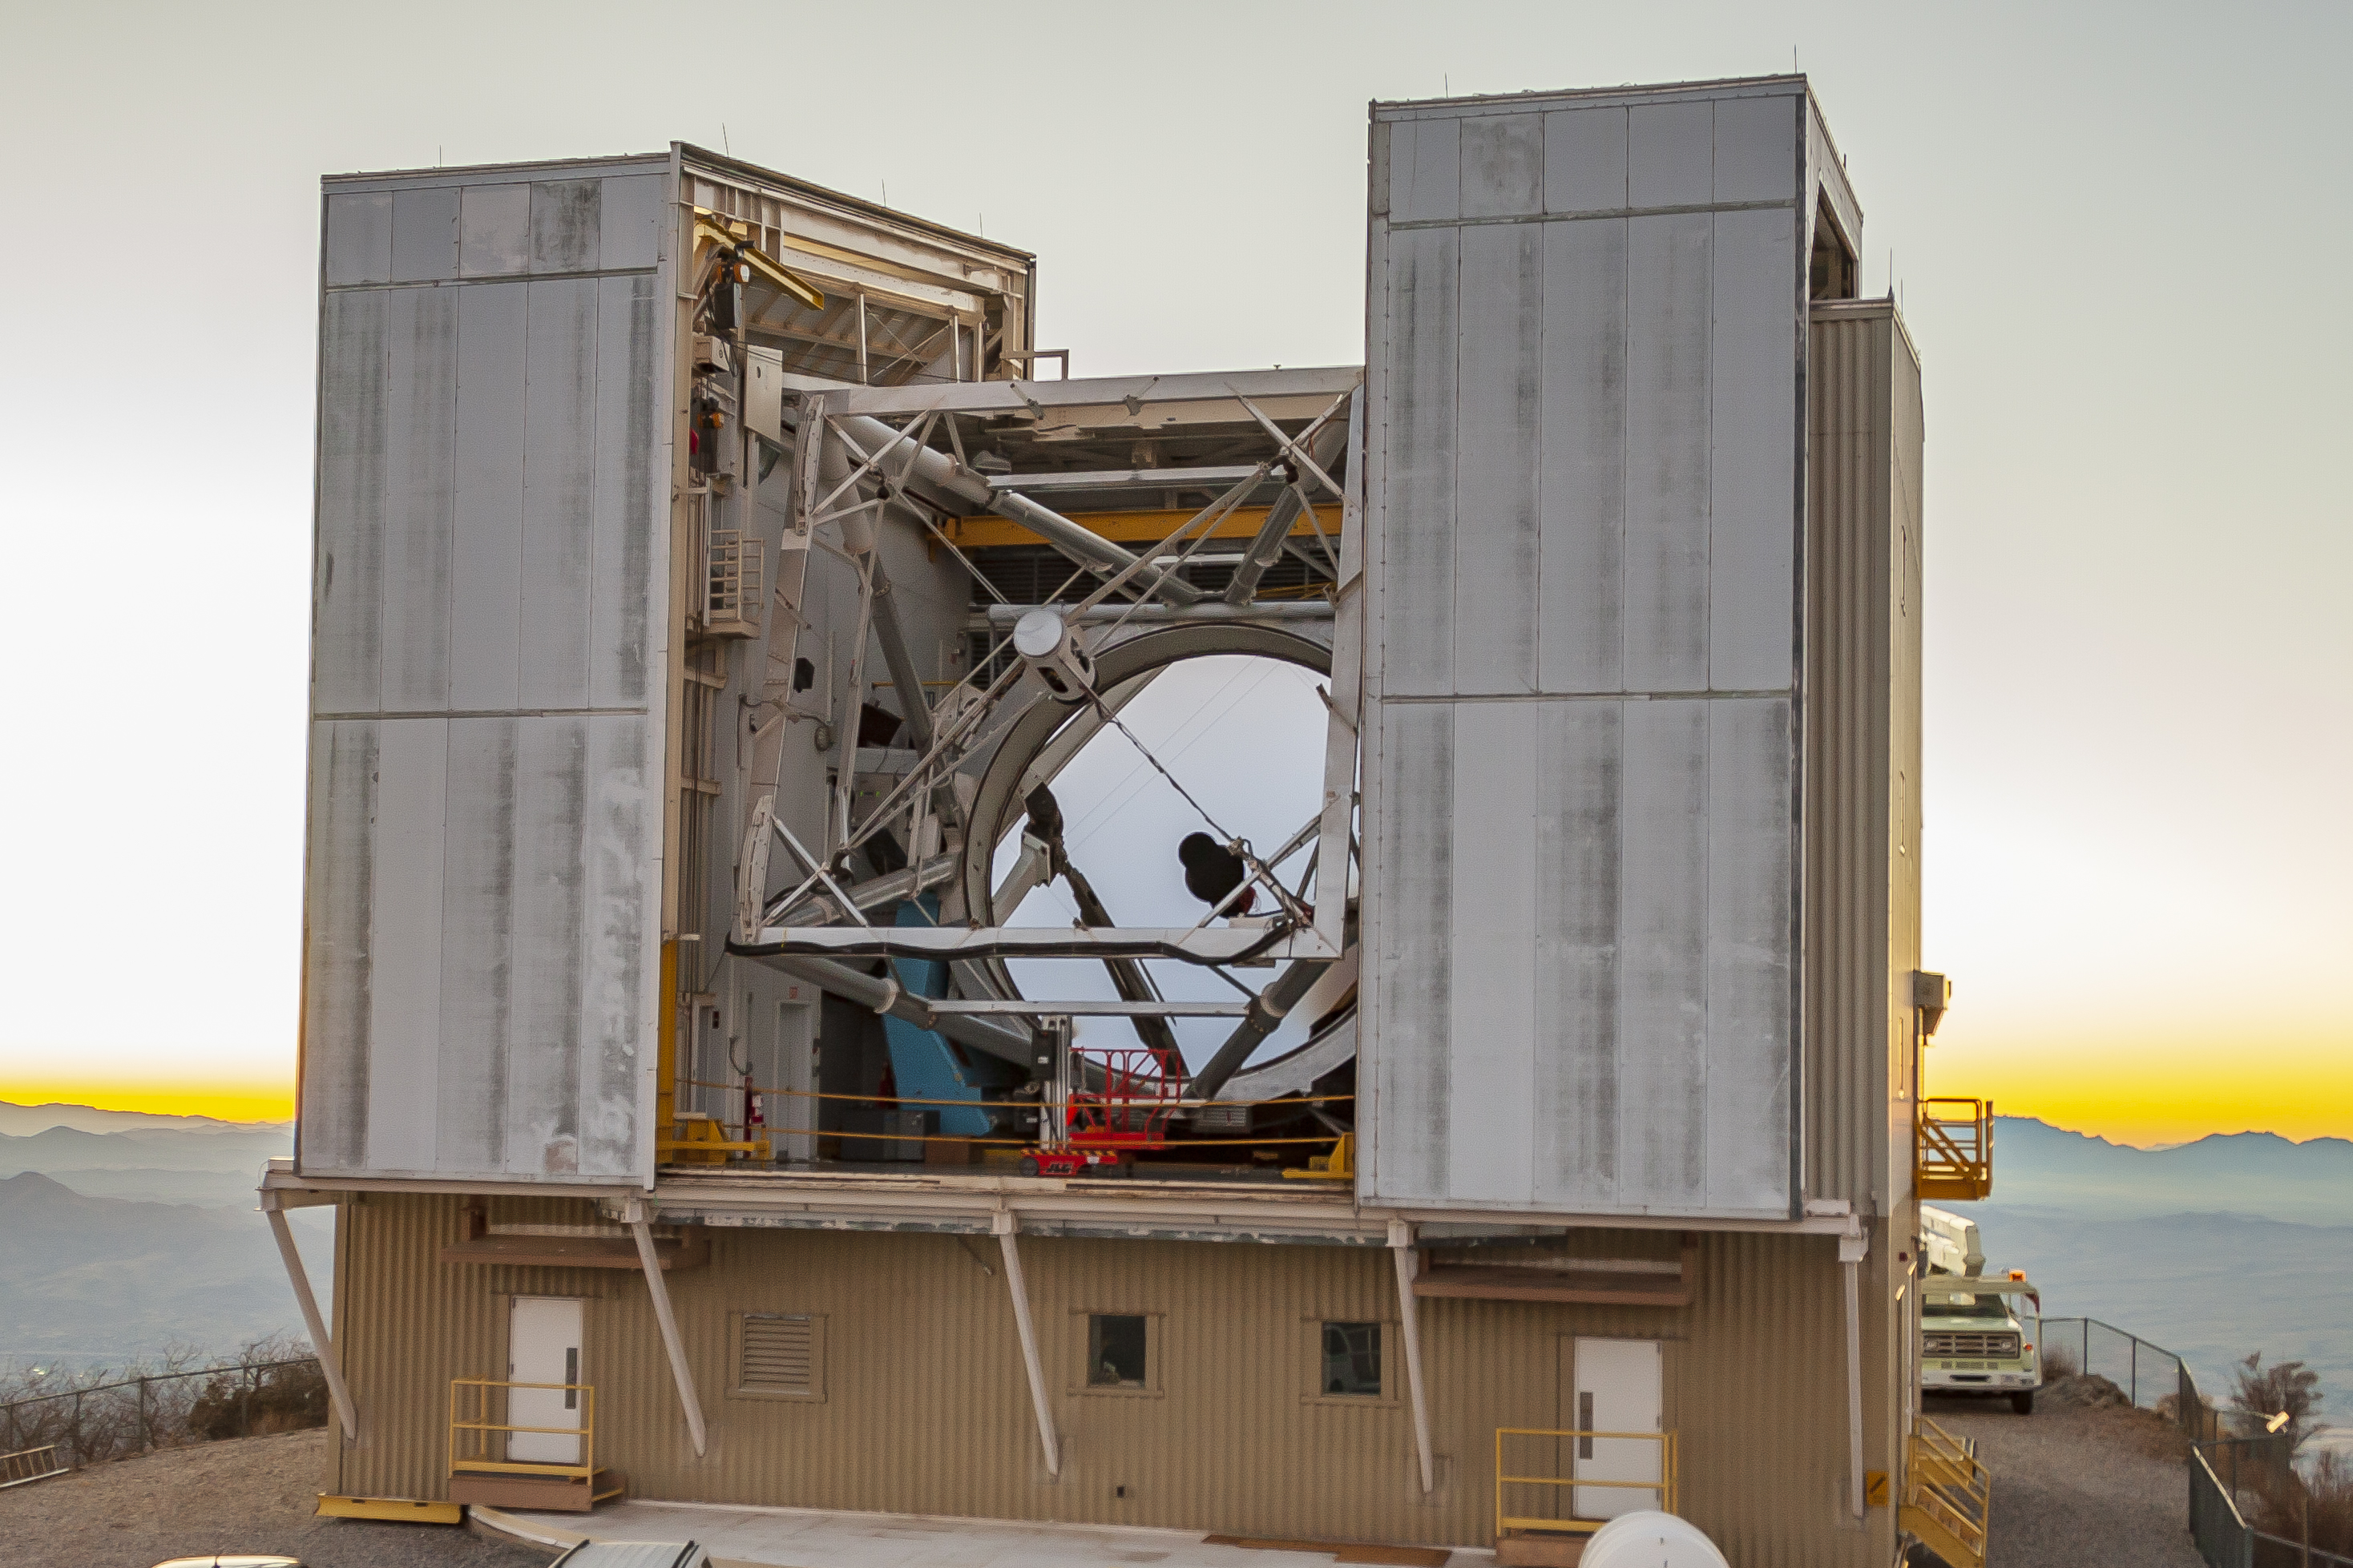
x,y
469,1440
1946,1496
1956,1148
1663,1489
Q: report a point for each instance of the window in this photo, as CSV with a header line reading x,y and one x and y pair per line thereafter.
x,y
1116,1350
779,1355
1352,1360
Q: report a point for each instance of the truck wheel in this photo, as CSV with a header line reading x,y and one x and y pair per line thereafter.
x,y
1028,1165
2024,1402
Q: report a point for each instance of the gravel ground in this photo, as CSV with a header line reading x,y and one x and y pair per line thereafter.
x,y
2078,1488
248,1494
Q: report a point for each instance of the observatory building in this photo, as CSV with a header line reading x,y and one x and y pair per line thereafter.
x,y
1321,955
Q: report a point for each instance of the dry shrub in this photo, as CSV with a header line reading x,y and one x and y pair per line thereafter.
x,y
2058,1362
2322,1491
96,1413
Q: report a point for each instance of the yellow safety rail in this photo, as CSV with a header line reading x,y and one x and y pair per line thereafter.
x,y
475,1433
1947,1496
1663,1489
1956,1148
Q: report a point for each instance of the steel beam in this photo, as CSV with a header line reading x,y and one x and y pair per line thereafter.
x,y
1004,1226
1409,1325
346,1414
671,1343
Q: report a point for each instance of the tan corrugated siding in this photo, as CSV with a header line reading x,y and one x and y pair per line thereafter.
x,y
1863,752
926,1409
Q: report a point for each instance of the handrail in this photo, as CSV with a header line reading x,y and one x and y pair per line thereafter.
x,y
1665,1488
1953,1156
477,1463
1945,1482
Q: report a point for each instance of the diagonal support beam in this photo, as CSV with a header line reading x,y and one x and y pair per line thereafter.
x,y
1003,1226
1852,1251
671,1343
1409,1324
300,1278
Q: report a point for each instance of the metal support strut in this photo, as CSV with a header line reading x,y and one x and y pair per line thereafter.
x,y
1409,1320
1853,1250
663,1316
1003,1226
300,1279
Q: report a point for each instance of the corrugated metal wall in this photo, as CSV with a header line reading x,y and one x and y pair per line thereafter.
x,y
482,924
1582,486
926,1410
1862,739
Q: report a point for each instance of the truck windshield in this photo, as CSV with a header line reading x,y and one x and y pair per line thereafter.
x,y
1967,1307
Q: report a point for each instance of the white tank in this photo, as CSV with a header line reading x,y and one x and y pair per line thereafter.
x,y
1650,1539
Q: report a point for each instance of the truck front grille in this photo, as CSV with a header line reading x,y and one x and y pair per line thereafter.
x,y
1969,1346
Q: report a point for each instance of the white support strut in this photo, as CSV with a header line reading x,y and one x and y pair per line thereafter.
x,y
1853,1250
300,1279
1003,1225
1408,1322
663,1316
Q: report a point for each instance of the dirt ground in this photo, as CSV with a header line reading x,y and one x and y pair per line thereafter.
x,y
248,1494
2078,1487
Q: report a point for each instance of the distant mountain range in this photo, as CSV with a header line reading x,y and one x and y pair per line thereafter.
x,y
122,1233
2045,1167
105,1279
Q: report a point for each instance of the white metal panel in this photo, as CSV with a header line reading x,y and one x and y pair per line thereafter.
x,y
493,230
1425,171
1497,412
1662,968
1584,160
622,522
1574,855
629,222
404,979
488,556
1753,475
359,237
1409,906
1671,153
565,222
621,938
338,898
1418,544
1581,483
477,944
1491,992
1751,940
559,476
1669,289
425,234
346,624
420,491
1756,148
1503,165
550,818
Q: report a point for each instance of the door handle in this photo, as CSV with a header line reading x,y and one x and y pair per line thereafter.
x,y
1585,1420
571,1376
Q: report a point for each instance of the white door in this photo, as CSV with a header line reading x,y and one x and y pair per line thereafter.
x,y
544,1346
1617,1389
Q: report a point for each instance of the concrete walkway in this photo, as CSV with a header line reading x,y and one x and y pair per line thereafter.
x,y
812,1538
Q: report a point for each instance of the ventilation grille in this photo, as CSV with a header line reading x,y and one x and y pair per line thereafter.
x,y
1982,1347
779,1354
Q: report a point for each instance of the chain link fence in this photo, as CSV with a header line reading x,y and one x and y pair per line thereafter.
x,y
89,1422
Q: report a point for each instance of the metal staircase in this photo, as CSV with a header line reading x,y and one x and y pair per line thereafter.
x,y
1947,1496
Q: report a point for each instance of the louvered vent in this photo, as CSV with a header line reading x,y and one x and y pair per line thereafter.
x,y
779,1354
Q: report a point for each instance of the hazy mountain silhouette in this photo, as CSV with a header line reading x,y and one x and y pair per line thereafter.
x,y
2042,1166
91,1277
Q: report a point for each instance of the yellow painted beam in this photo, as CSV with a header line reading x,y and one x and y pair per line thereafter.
x,y
400,1510
1125,527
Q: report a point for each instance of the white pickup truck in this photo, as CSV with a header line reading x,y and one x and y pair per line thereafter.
x,y
1973,1338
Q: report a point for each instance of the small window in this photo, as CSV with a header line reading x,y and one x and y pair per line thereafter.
x,y
1352,1360
1115,1352
779,1355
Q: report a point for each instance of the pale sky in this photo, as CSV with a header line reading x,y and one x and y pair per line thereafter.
x,y
2118,233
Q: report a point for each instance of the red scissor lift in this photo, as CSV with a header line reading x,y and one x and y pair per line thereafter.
x,y
1142,1086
